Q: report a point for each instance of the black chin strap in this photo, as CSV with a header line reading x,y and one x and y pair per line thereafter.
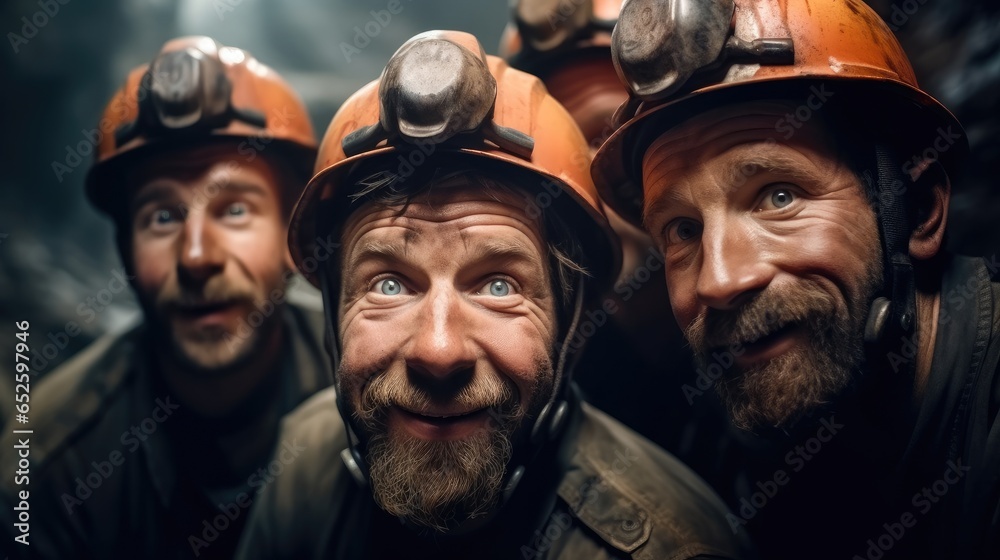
x,y
892,318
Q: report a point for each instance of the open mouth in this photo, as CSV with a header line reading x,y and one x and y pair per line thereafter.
x,y
769,345
207,312
765,339
441,425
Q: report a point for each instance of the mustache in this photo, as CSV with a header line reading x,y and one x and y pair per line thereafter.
x,y
217,291
483,392
768,312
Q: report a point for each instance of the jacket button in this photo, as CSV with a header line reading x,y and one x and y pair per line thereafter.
x,y
629,525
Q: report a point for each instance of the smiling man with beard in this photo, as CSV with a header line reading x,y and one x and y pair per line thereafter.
x,y
472,243
797,180
150,443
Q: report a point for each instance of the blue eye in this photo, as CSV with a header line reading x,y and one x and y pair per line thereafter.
x,y
236,209
499,288
162,217
682,229
389,287
781,198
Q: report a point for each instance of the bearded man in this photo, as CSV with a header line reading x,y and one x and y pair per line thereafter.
x,y
152,442
797,179
471,238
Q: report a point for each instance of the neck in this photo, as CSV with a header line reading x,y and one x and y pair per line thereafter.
x,y
928,306
889,401
217,394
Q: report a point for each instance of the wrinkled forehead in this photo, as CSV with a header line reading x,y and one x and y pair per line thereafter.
x,y
214,166
713,132
458,205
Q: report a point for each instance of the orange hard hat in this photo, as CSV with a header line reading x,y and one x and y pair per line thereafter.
x,y
441,95
541,31
567,43
678,58
197,90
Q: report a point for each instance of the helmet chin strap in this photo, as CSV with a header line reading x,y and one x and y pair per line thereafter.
x,y
547,427
892,317
351,456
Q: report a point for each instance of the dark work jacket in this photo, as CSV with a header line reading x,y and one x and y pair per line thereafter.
x,y
932,492
615,496
108,443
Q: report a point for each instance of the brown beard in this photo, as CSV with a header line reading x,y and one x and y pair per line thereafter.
x,y
778,392
439,485
213,350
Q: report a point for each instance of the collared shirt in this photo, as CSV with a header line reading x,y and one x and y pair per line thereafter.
x,y
860,486
618,496
955,446
119,469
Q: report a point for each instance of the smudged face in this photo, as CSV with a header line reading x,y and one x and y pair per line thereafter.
x,y
208,244
447,320
772,256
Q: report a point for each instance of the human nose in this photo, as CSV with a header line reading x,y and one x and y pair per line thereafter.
x,y
201,254
734,267
441,346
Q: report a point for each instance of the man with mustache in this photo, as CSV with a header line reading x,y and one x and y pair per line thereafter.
x,y
567,44
797,180
154,443
472,244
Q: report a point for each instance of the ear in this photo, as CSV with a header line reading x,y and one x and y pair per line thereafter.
x,y
933,192
289,262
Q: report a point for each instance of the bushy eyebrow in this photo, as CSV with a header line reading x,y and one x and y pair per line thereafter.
x,y
153,193
160,191
772,164
488,250
666,201
377,250
738,173
498,250
242,187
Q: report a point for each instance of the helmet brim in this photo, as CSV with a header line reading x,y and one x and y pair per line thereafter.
x,y
597,238
886,103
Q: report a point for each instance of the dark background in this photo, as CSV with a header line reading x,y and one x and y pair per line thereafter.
x,y
56,251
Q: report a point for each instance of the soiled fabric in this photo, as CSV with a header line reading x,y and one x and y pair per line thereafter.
x,y
604,492
879,485
120,469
